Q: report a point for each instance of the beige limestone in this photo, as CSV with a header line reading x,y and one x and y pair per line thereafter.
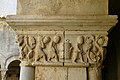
x,y
27,73
50,73
77,74
61,23
69,36
63,39
94,73
60,73
62,7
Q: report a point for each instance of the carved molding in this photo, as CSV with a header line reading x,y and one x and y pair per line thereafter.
x,y
88,48
78,48
41,48
61,23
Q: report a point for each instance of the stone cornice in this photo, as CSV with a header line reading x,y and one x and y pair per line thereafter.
x,y
83,22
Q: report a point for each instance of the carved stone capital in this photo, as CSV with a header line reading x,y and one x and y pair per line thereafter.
x,y
69,47
64,40
43,47
85,47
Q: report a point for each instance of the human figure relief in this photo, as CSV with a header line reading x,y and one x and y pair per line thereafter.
x,y
77,53
31,44
52,50
39,51
23,49
94,55
88,46
68,50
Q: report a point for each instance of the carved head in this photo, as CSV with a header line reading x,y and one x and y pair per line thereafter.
x,y
56,39
46,39
89,39
102,41
80,39
32,42
20,39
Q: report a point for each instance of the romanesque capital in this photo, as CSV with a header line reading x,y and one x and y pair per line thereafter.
x,y
62,40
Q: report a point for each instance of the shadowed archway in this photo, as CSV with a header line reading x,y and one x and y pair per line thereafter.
x,y
13,70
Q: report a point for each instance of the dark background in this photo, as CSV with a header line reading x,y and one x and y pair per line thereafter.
x,y
111,69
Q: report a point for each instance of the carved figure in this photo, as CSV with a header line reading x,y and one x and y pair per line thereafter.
x,y
53,51
88,46
77,53
96,53
20,40
68,50
102,41
40,54
23,49
30,44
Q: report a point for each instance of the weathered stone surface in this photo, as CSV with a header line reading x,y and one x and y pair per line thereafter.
x,y
62,7
50,73
8,45
61,23
82,39
60,73
27,73
77,74
85,35
94,73
42,46
85,46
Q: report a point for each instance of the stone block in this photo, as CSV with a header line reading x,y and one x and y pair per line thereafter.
x,y
50,73
62,7
77,74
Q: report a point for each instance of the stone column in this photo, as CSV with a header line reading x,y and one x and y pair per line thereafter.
x,y
63,39
27,73
3,74
94,73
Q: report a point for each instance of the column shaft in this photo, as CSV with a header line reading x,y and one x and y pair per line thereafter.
x,y
27,73
94,73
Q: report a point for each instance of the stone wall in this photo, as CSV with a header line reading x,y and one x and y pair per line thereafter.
x,y
62,7
8,44
8,47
